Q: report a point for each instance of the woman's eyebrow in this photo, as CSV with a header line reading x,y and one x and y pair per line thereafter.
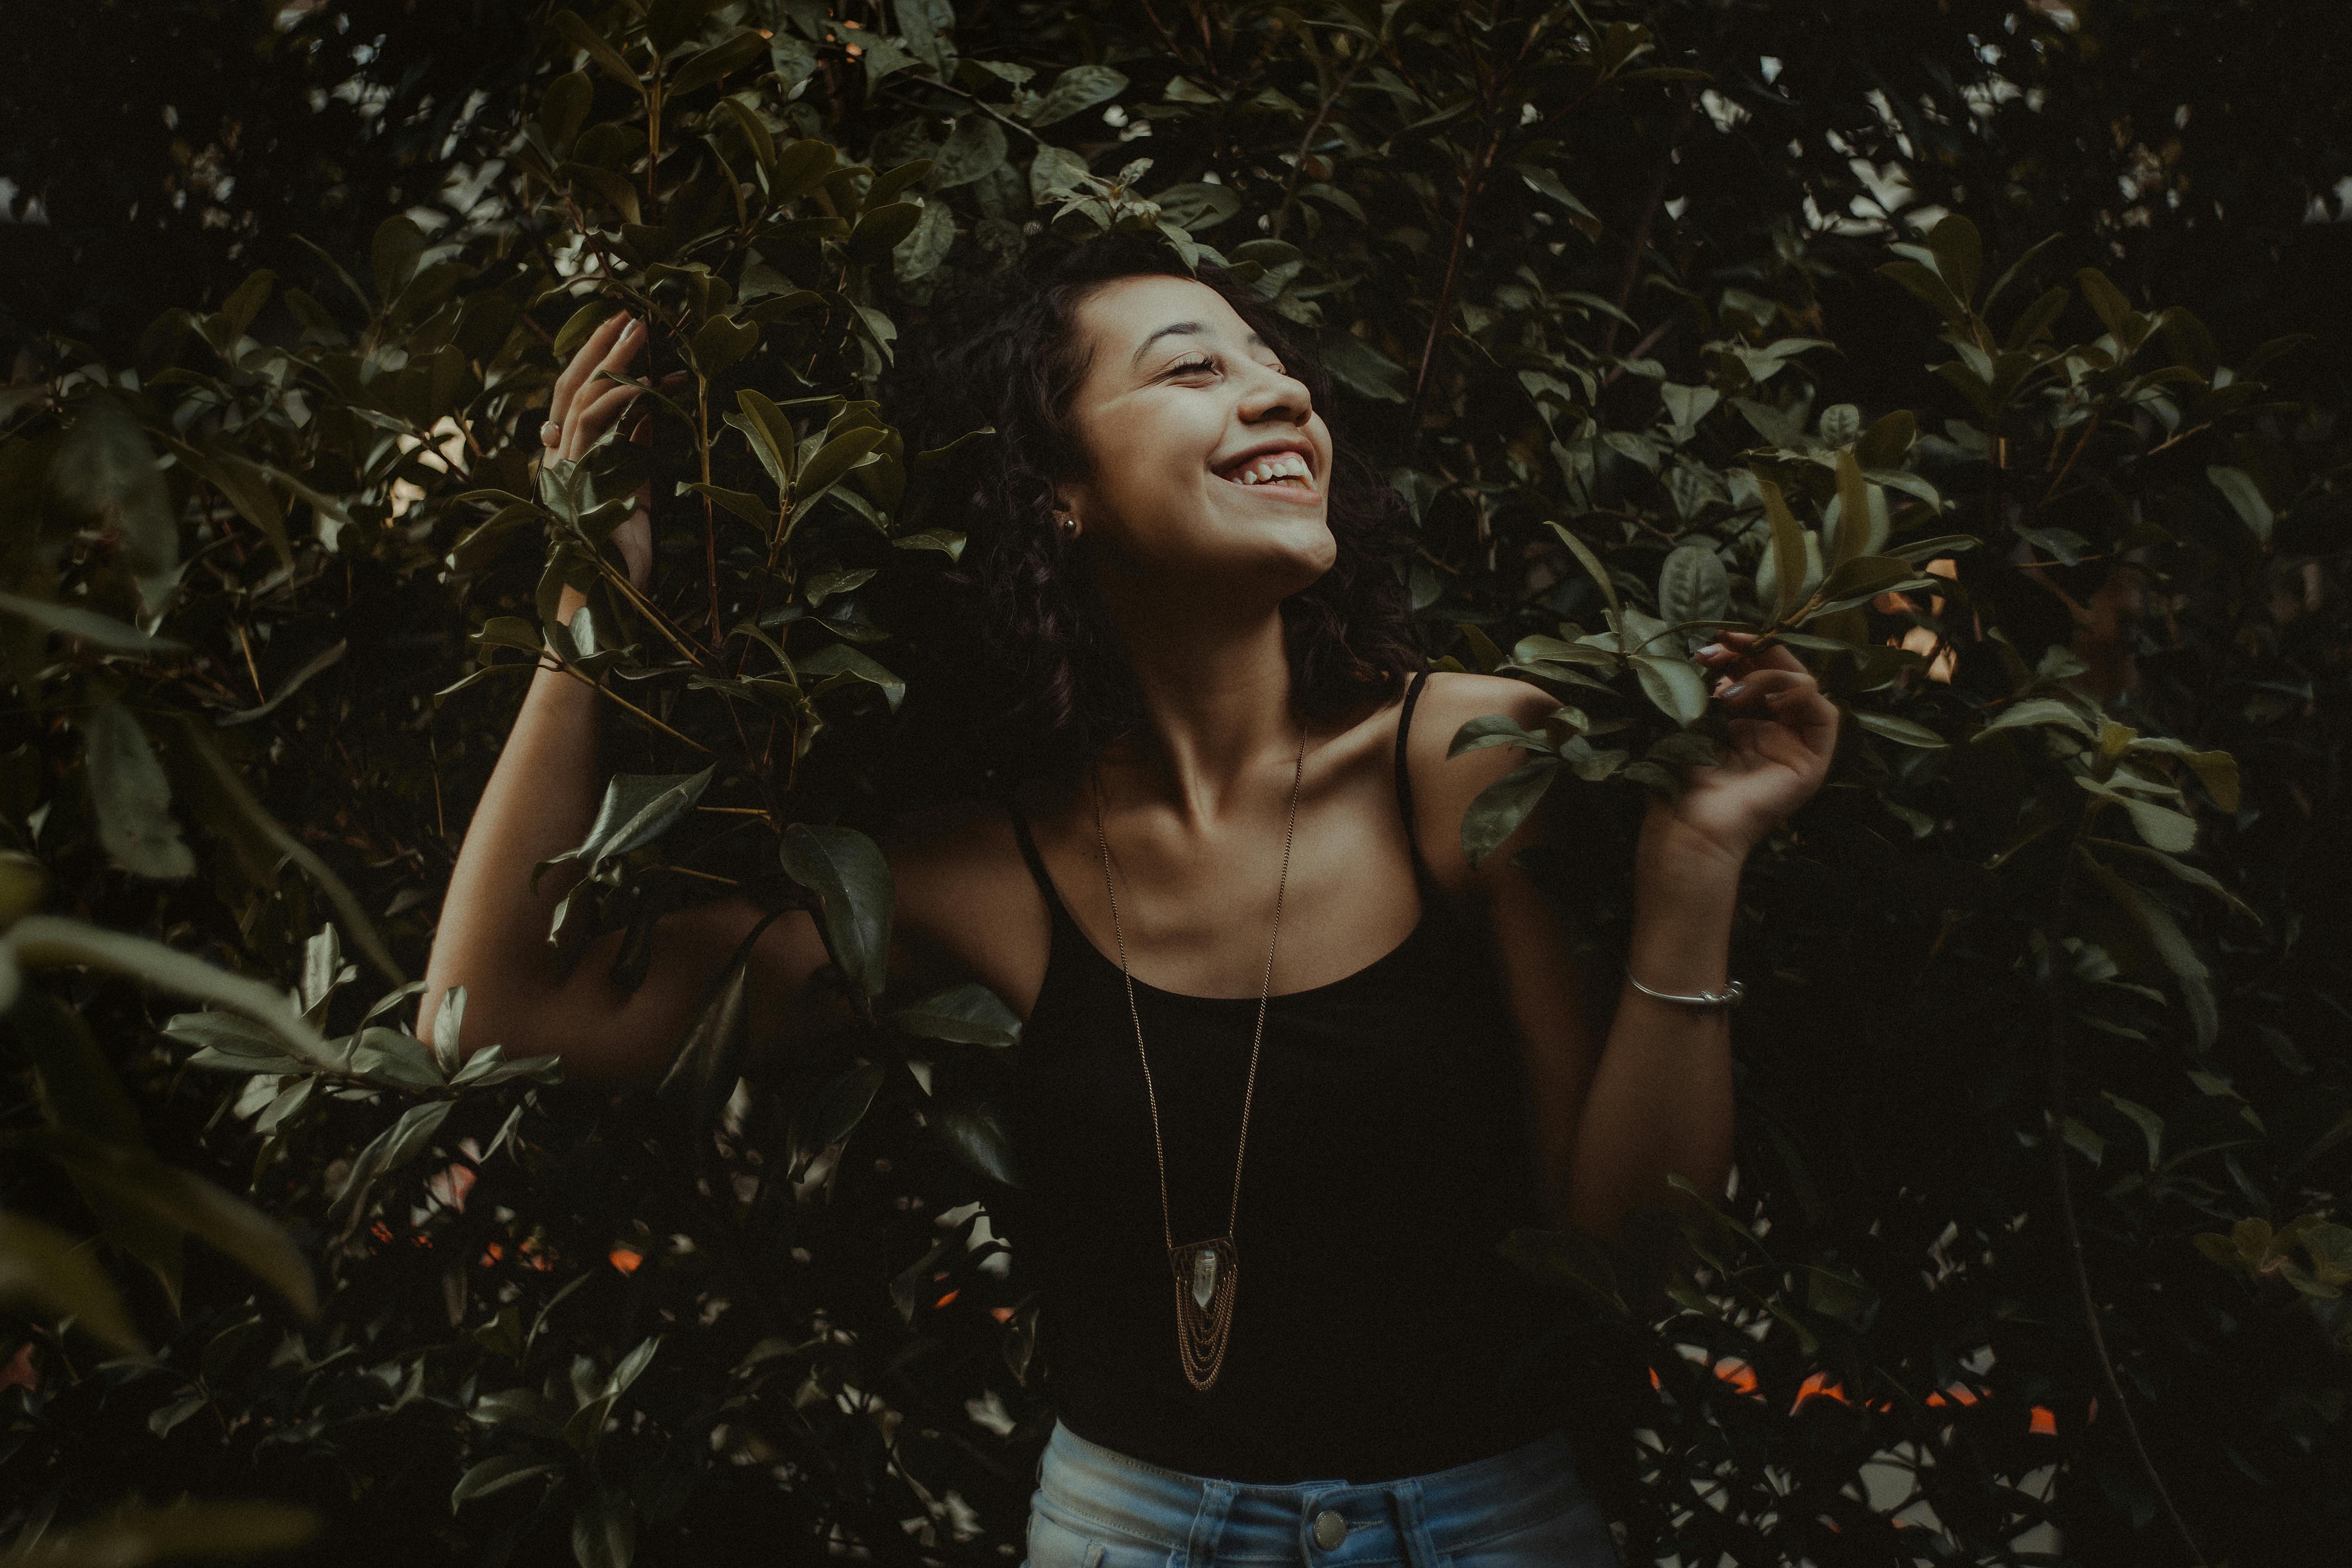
x,y
1184,329
1181,329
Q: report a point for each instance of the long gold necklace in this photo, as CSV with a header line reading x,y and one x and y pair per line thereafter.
x,y
1207,1273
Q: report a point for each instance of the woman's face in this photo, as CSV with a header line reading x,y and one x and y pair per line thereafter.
x,y
1208,464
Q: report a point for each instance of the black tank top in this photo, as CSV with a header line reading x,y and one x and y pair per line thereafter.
x,y
1377,1333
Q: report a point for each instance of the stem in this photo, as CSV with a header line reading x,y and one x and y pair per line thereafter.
x,y
1290,187
976,102
1470,183
651,611
602,690
1640,237
2072,1228
2089,430
709,513
1649,341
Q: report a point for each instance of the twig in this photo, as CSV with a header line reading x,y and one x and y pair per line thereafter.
x,y
2054,1136
1471,181
1290,187
601,689
2089,430
1640,237
690,871
710,512
1638,349
2173,440
976,102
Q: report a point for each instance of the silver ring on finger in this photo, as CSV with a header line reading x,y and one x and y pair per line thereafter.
x,y
551,434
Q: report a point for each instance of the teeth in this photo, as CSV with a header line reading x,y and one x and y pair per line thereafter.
x,y
1281,466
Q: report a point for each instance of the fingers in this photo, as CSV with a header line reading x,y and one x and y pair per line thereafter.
x,y
1791,697
582,365
611,347
597,402
1738,651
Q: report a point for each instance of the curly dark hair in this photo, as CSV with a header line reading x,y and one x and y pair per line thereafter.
x,y
1008,357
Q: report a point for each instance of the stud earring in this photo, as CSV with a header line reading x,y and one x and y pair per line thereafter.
x,y
1069,528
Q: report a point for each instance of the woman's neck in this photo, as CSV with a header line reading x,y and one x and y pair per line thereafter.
x,y
1216,694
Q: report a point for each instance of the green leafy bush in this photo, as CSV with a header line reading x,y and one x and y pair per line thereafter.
x,y
268,579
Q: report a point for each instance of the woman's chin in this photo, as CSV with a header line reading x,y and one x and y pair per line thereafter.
x,y
1298,544
1299,567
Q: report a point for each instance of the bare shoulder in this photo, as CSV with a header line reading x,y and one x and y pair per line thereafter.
x,y
941,855
965,898
1463,696
1444,786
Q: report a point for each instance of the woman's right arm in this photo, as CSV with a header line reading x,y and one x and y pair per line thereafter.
x,y
541,800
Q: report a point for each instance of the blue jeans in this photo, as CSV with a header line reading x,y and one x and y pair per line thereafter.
x,y
1095,1507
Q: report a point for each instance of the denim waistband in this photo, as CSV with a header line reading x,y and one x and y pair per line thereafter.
x,y
1440,1511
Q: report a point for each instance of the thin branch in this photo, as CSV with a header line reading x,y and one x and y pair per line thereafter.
x,y
974,99
1290,187
2089,430
1470,183
602,690
1640,241
1638,349
2072,1229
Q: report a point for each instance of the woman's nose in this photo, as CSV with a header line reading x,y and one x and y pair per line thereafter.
x,y
1277,395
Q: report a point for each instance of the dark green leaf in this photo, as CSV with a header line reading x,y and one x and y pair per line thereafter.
x,y
832,1114
1080,87
132,797
974,149
604,1532
879,230
46,1275
1790,554
136,1179
607,58
971,1014
134,1535
977,1135
2245,497
1905,731
1692,585
1502,805
850,880
839,662
495,1475
103,632
637,808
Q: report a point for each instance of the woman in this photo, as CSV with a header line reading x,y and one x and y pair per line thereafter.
x,y
1278,1031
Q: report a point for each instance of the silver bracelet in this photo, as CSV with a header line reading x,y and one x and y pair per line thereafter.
x,y
1706,1001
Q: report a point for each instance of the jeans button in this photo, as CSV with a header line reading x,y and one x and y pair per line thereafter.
x,y
1330,1530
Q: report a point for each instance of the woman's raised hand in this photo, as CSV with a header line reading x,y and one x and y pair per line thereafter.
x,y
1782,732
585,408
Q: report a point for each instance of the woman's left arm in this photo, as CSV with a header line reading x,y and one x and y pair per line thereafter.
x,y
1615,1118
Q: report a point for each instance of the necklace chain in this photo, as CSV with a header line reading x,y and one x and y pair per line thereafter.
x,y
1265,989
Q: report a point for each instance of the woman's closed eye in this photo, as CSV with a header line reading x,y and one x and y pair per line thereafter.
x,y
1203,365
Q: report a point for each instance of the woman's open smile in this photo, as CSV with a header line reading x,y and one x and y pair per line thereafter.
x,y
1284,470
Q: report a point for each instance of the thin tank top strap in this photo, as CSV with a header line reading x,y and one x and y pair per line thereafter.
x,y
1028,843
1421,872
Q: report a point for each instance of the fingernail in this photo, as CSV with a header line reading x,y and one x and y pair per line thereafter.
x,y
1731,692
1712,650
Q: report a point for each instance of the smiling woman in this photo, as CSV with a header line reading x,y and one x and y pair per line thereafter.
x,y
1014,358
1278,1030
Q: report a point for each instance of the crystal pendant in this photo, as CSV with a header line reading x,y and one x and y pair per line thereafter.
x,y
1207,1274
1204,1276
